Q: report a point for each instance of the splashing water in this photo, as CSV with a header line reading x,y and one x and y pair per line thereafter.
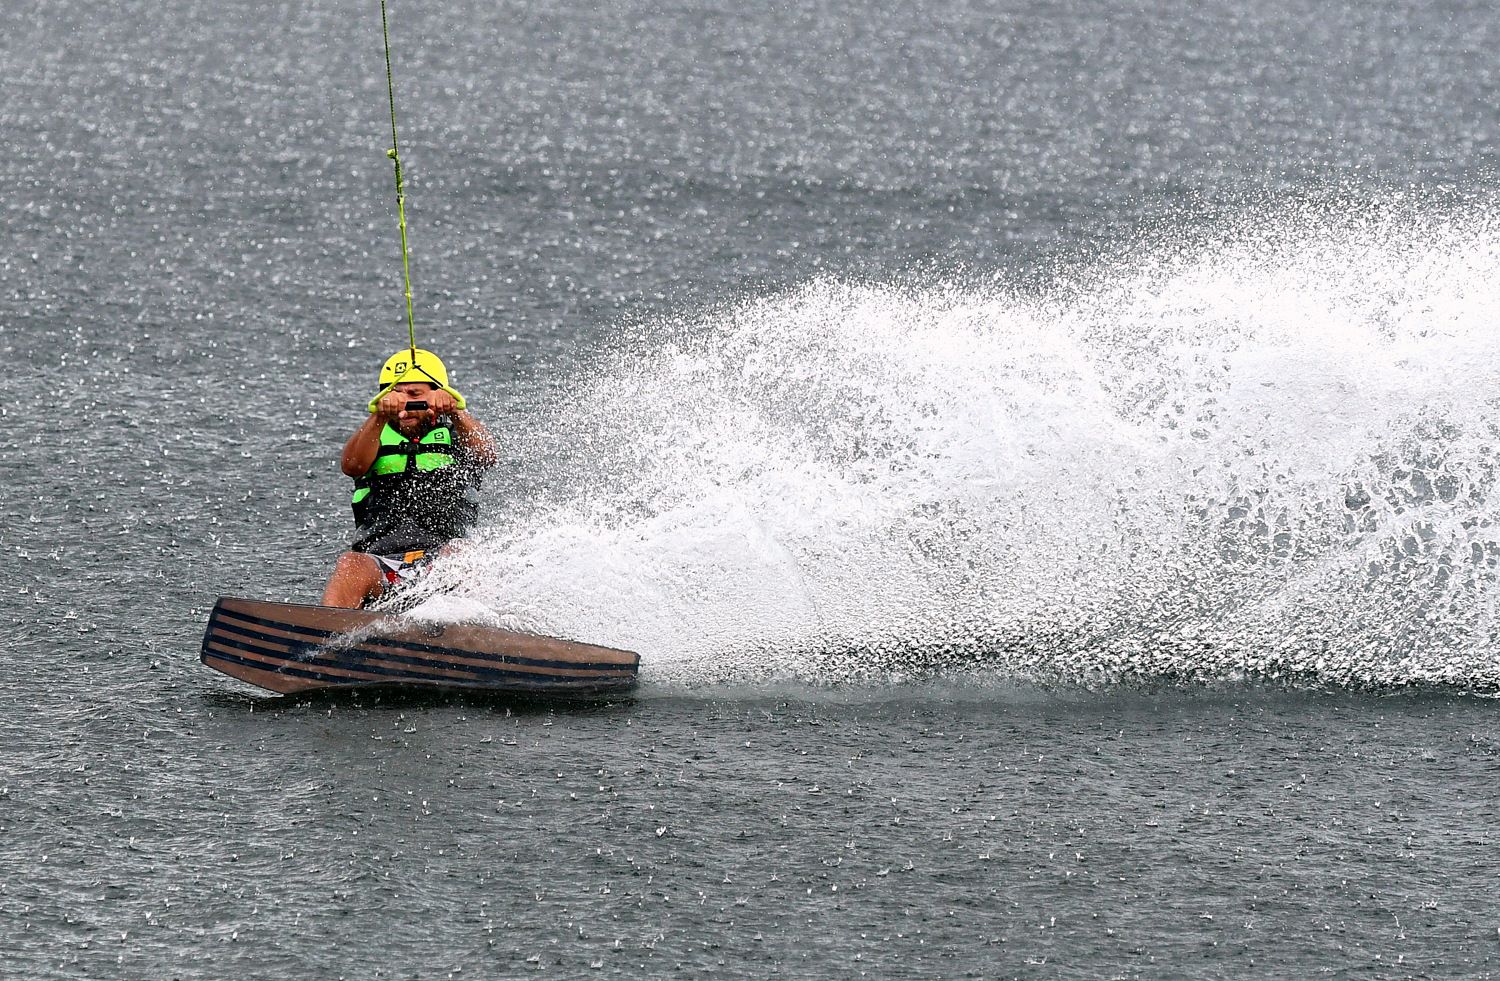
x,y
1265,455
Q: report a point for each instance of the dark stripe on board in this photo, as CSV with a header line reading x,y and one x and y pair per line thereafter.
x,y
309,671
355,659
220,612
342,681
286,646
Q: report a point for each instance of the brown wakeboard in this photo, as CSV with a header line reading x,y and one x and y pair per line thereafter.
x,y
289,647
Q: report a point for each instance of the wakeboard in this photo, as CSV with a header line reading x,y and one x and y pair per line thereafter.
x,y
289,648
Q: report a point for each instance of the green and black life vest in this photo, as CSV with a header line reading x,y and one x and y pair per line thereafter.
x,y
417,493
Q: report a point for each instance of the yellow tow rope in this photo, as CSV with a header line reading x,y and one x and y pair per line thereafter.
x,y
395,154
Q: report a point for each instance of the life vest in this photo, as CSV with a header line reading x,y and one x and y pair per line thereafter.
x,y
414,487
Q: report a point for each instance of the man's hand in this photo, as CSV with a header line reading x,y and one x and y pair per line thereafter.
x,y
440,402
392,406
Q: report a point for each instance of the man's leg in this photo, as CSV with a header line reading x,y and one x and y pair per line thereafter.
x,y
356,578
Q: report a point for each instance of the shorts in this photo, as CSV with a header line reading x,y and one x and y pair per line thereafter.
x,y
404,567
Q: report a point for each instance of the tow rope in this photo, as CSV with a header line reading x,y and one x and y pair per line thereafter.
x,y
395,154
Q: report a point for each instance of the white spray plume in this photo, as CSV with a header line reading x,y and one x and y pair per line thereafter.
x,y
1266,455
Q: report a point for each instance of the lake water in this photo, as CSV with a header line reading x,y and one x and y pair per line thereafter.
x,y
1041,452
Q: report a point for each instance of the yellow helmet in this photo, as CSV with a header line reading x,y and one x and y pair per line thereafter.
x,y
414,365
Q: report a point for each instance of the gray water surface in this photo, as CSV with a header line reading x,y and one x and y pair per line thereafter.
x,y
200,275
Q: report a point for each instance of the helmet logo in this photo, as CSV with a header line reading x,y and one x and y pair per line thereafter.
x,y
399,368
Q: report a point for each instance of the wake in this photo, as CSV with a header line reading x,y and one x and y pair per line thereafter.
x,y
1266,454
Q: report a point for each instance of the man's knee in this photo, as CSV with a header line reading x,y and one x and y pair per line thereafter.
x,y
356,579
356,565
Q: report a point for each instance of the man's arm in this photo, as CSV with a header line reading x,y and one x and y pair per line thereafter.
x,y
469,434
477,443
364,446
